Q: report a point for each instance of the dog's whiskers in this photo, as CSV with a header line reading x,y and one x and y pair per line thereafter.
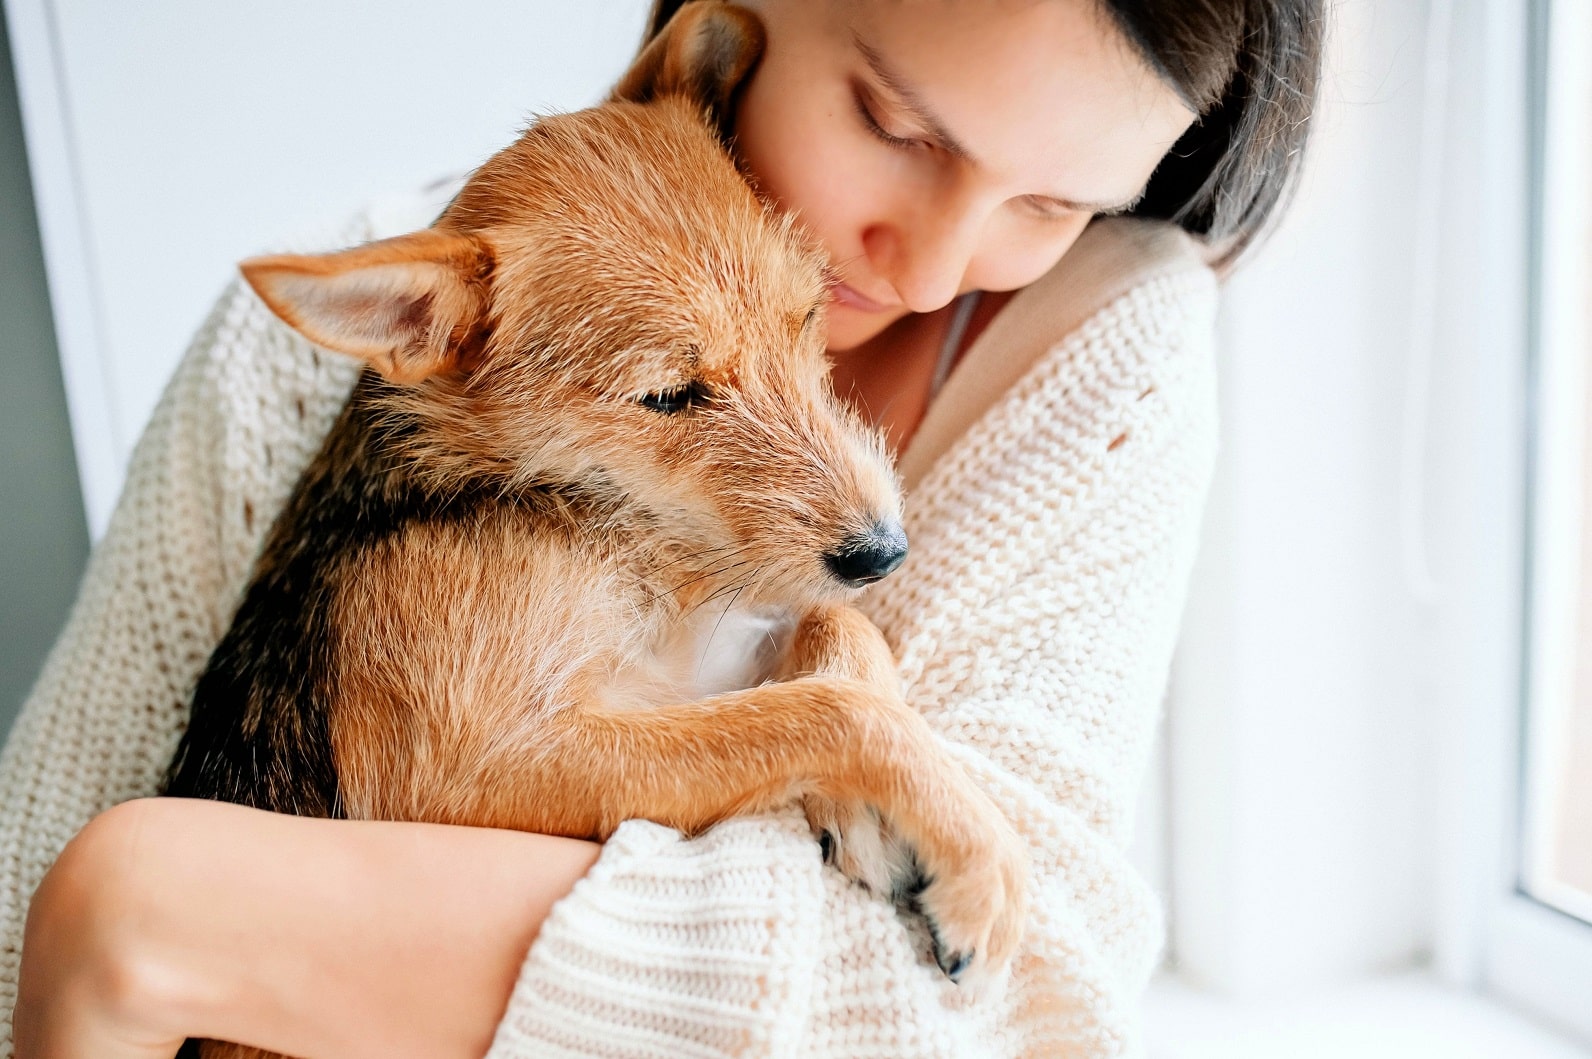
x,y
711,571
717,553
736,588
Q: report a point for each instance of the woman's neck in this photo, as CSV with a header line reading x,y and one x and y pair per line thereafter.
x,y
889,378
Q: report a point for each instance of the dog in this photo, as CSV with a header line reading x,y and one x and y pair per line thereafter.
x,y
595,428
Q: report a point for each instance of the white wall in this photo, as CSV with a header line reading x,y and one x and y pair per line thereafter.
x,y
170,138
1302,738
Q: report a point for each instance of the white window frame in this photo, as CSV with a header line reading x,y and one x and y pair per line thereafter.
x,y
98,437
1559,494
1536,955
1491,935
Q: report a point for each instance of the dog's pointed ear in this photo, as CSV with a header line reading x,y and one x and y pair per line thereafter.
x,y
705,52
413,306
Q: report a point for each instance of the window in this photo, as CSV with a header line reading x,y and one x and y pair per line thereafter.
x,y
1556,833
1539,936
1556,853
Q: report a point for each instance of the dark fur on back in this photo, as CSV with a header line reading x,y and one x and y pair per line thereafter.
x,y
258,733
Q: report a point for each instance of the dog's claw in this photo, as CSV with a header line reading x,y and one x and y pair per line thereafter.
x,y
953,964
855,841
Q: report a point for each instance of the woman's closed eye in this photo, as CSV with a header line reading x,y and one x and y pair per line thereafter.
x,y
870,114
1048,209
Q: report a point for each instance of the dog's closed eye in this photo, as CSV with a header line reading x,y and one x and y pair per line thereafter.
x,y
676,400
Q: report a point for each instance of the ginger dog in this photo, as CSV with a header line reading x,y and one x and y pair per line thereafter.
x,y
595,418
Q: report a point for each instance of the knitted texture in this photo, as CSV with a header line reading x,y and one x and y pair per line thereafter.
x,y
1034,622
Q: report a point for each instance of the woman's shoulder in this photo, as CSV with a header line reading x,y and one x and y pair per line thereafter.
x,y
243,413
1139,289
1131,300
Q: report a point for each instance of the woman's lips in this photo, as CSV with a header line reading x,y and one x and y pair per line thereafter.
x,y
849,296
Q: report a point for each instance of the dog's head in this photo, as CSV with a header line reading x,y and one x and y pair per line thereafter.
x,y
607,303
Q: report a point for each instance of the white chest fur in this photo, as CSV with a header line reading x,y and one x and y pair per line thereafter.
x,y
715,649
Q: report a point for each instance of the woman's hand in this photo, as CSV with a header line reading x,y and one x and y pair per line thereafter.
x,y
170,918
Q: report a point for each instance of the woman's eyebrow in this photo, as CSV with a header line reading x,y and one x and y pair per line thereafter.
x,y
913,103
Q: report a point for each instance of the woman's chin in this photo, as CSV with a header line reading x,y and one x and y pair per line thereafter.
x,y
850,328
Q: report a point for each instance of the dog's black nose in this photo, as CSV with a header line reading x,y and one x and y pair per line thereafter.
x,y
867,557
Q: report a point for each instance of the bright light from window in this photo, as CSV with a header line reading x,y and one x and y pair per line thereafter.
x,y
1557,855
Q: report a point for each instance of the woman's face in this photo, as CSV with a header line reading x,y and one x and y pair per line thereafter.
x,y
941,146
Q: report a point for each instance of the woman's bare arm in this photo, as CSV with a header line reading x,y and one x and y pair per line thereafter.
x,y
168,918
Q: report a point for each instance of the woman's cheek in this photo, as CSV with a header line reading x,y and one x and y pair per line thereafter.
x,y
831,183
801,172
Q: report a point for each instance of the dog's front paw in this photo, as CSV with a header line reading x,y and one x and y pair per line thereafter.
x,y
973,895
862,846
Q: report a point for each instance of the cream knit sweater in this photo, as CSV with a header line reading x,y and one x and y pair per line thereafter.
x,y
1054,494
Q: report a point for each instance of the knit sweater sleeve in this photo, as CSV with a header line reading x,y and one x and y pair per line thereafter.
x,y
240,418
1034,624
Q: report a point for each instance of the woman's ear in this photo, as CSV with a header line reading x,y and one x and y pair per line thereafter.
x,y
705,52
412,307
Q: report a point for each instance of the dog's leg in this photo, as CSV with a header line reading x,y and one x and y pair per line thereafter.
x,y
840,641
693,764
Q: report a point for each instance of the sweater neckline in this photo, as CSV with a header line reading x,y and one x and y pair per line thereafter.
x,y
1110,258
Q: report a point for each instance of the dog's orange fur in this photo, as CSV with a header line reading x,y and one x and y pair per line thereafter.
x,y
537,669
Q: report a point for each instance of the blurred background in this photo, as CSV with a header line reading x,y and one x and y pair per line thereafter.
x,y
1371,816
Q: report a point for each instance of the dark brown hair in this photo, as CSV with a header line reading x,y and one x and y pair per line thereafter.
x,y
1250,70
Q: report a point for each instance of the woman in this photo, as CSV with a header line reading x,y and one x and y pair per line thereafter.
x,y
938,151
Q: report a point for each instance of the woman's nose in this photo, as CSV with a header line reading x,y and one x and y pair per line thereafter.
x,y
924,256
